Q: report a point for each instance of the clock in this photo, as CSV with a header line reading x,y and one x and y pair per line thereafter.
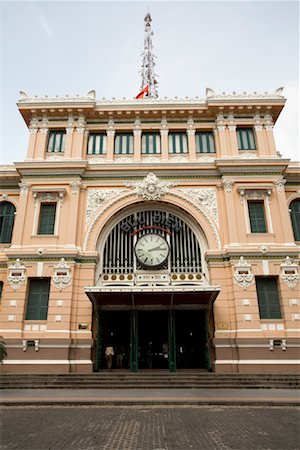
x,y
151,250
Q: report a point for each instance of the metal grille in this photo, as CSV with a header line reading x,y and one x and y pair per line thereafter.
x,y
185,253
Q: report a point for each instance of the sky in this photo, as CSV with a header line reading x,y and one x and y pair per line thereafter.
x,y
72,47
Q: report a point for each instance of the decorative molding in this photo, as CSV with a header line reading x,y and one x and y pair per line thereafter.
x,y
228,184
150,188
24,188
16,274
204,197
191,132
254,194
290,272
243,275
46,197
279,183
247,155
204,158
264,248
178,157
62,275
75,187
55,157
97,198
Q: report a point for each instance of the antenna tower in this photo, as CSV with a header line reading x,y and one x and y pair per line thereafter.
x,y
147,71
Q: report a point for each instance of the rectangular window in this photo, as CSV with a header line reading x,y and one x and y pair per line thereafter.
x,y
246,139
205,142
257,216
37,299
96,144
178,143
1,289
268,297
56,141
47,218
123,144
150,143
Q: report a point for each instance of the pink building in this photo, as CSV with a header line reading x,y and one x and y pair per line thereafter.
x,y
168,229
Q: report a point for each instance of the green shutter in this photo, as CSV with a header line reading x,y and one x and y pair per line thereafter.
x,y
123,144
47,218
295,217
257,217
56,141
268,298
205,142
96,144
1,289
246,139
38,297
7,218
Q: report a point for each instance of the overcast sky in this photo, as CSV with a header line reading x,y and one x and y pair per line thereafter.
x,y
70,47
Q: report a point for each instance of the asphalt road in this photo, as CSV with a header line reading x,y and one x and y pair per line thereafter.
x,y
150,428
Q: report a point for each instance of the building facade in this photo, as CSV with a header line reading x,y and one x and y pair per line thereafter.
x,y
169,228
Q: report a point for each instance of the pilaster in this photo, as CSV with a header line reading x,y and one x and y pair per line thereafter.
x,y
110,140
286,226
191,139
261,147
79,138
42,138
164,133
137,133
270,135
234,150
69,137
33,130
221,148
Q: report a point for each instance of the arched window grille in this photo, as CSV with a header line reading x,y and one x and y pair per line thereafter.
x,y
185,252
7,218
295,217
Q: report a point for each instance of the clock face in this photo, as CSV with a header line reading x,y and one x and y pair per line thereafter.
x,y
151,250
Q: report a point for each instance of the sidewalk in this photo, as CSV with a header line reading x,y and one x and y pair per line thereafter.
x,y
111,397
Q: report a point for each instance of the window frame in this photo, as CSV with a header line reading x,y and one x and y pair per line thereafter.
x,y
156,146
129,144
103,143
55,133
268,315
199,142
183,143
251,223
42,205
42,317
294,221
241,140
8,217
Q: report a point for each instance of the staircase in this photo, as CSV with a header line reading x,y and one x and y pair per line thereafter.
x,y
150,380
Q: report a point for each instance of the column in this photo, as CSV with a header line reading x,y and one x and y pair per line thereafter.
x,y
137,133
78,150
110,140
164,142
286,225
20,216
230,212
42,139
191,139
172,341
233,150
75,187
99,342
270,135
134,341
69,137
33,129
221,148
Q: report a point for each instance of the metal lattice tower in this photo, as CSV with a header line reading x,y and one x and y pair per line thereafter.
x,y
147,71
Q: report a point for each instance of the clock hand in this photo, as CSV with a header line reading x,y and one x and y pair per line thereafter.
x,y
155,249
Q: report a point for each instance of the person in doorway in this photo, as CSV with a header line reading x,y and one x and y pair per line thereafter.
x,y
150,356
120,355
109,353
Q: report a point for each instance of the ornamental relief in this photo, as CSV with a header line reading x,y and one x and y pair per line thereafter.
x,y
289,272
243,275
16,274
97,198
62,275
206,198
150,188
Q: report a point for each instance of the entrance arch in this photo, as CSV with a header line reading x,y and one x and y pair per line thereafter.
x,y
155,304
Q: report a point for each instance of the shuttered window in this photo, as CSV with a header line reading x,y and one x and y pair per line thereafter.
x,y
150,143
268,297
123,144
56,141
47,218
246,139
295,217
178,143
37,299
257,216
96,144
7,218
205,142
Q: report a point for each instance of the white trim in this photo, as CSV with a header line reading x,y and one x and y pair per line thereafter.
x,y
258,361
47,361
252,345
52,345
244,330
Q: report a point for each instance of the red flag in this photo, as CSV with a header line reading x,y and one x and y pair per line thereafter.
x,y
143,93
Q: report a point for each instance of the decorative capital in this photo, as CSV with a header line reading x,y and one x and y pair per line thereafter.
x,y
228,184
75,187
137,132
290,272
16,274
24,188
151,188
191,132
280,184
243,275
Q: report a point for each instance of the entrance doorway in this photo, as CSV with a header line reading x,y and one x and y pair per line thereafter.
x,y
115,331
191,339
153,340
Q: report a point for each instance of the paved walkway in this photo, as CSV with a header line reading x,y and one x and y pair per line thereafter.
x,y
287,397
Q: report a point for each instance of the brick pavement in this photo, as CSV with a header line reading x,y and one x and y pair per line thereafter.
x,y
149,428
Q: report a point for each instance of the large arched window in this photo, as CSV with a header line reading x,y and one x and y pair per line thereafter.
x,y
295,216
7,217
